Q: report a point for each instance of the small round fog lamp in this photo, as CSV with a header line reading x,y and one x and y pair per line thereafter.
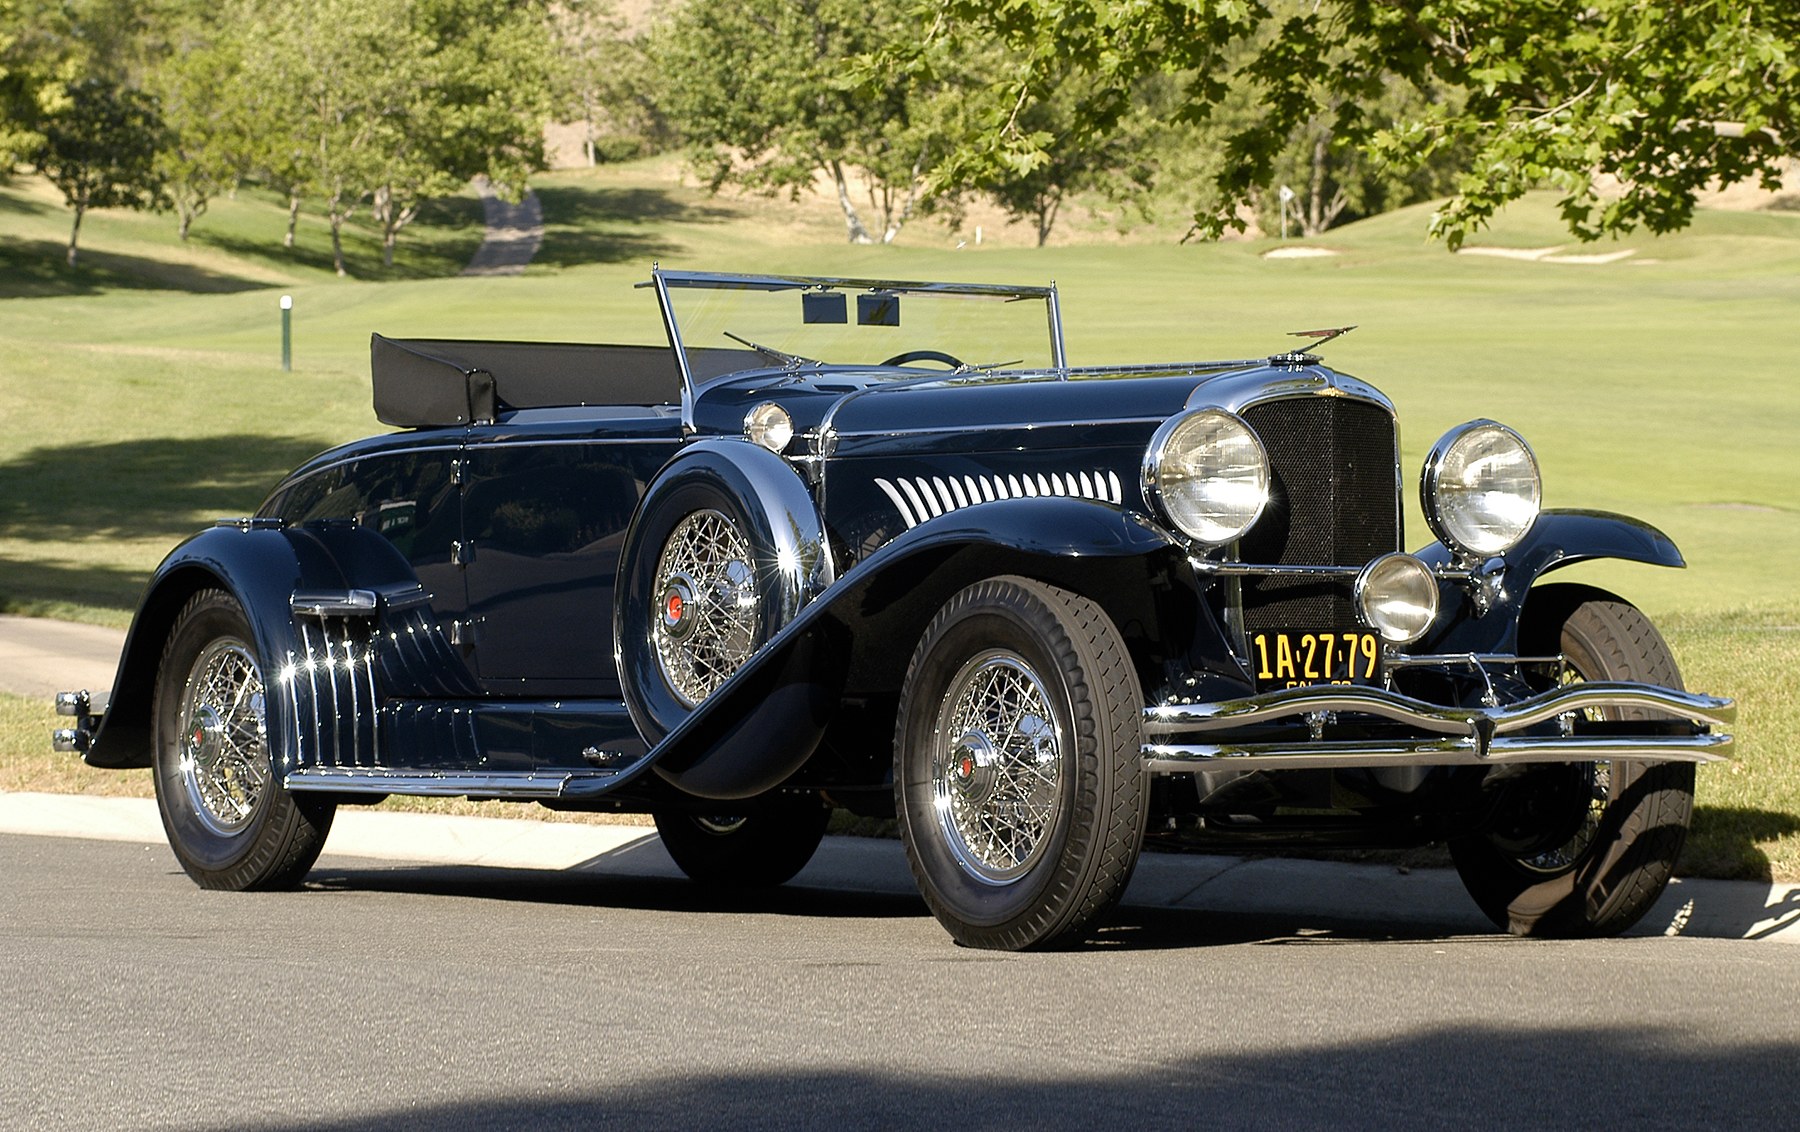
x,y
770,426
1397,597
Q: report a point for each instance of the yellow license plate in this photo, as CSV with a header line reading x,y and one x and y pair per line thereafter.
x,y
1293,659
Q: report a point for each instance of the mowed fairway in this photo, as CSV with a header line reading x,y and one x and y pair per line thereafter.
x,y
142,399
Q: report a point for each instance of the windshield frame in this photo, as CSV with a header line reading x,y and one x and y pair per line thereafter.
x,y
666,282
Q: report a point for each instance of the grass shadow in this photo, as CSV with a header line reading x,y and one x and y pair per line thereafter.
x,y
584,225
68,591
23,205
151,488
437,244
31,269
1725,842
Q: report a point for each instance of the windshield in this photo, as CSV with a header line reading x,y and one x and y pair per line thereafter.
x,y
725,323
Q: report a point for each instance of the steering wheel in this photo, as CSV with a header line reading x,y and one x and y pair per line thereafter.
x,y
938,356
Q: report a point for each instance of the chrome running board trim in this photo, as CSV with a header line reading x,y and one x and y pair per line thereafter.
x,y
452,784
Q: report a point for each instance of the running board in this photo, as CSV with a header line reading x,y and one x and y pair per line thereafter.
x,y
454,784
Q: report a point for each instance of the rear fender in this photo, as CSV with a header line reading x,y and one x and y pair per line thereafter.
x,y
1558,538
857,637
262,565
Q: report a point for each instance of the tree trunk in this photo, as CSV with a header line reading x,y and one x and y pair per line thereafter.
x,y
75,231
853,222
1048,206
912,199
1314,221
293,219
187,221
337,245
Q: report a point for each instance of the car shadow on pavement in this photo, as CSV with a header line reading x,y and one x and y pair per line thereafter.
x,y
1127,928
1440,1076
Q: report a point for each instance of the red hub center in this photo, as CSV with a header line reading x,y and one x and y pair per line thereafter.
x,y
675,607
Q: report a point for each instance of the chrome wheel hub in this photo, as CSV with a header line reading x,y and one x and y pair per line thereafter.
x,y
997,768
224,737
704,624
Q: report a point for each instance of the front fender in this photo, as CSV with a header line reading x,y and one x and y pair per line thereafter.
x,y
1559,538
762,724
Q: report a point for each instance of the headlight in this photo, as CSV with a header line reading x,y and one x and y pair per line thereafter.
x,y
1397,597
1480,489
1207,472
770,426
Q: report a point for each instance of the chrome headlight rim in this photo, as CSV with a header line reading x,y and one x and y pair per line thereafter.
x,y
1431,496
1157,452
1363,595
770,425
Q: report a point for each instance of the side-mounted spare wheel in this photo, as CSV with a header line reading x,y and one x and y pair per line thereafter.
x,y
229,821
1584,849
725,547
1018,769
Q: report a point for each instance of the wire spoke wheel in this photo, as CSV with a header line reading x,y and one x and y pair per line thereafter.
x,y
996,770
224,736
704,624
1018,770
230,821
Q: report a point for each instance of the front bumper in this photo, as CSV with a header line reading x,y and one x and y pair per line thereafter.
x,y
1183,736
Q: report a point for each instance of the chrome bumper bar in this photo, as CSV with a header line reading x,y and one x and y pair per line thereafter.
x,y
1455,736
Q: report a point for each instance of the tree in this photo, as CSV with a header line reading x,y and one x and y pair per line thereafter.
x,y
766,94
1658,97
205,151
1115,164
385,106
100,151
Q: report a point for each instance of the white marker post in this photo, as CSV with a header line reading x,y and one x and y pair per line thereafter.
x,y
287,333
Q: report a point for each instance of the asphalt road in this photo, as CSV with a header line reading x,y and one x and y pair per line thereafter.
x,y
387,996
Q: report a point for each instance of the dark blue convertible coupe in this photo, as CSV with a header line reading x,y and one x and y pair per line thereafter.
x,y
877,546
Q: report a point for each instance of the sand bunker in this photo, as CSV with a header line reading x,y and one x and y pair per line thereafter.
x,y
1297,252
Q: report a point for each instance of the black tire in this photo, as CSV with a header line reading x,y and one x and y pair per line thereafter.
x,y
1584,850
229,821
760,849
1073,837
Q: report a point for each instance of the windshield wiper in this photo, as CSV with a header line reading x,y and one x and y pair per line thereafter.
x,y
786,359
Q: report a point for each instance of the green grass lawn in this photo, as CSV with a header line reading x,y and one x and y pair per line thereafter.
x,y
143,396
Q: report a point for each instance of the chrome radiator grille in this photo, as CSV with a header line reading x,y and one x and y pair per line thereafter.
x,y
1332,502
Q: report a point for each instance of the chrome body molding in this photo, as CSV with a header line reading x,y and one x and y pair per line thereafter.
x,y
1454,735
452,784
926,497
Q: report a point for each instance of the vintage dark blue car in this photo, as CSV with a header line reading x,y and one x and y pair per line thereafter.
x,y
877,546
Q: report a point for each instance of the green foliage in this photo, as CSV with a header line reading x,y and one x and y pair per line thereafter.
x,y
763,91
100,151
1629,107
386,106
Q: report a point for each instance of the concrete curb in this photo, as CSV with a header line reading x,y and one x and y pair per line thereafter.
x,y
1308,893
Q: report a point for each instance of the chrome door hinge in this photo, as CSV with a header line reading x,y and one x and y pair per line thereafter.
x,y
462,553
456,470
463,634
